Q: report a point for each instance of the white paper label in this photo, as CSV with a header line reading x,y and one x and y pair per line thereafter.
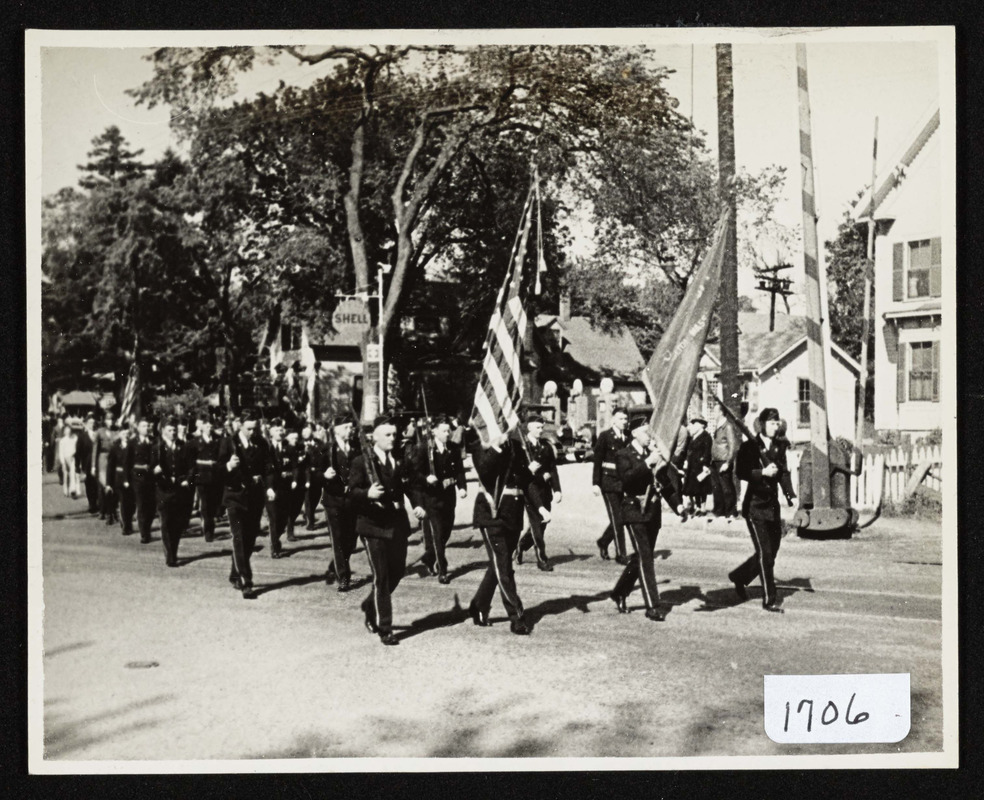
x,y
836,708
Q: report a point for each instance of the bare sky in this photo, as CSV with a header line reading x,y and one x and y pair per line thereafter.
x,y
83,92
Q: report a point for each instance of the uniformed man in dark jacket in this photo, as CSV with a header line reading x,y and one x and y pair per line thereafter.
x,y
138,472
604,481
85,455
121,493
641,513
297,457
207,473
103,440
762,463
245,462
498,515
333,462
441,476
542,490
172,470
283,477
314,480
382,523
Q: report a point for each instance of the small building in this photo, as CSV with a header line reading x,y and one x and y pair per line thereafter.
x,y
566,349
909,260
774,372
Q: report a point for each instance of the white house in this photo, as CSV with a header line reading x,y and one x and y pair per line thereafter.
x,y
774,371
908,280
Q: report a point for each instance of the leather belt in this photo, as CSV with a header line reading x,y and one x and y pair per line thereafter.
x,y
141,466
447,482
512,492
286,474
205,462
120,469
607,465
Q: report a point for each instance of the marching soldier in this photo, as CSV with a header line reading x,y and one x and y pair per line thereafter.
x,y
382,523
283,474
761,462
120,493
102,444
443,476
333,462
499,516
245,462
207,475
297,457
542,489
86,457
314,478
641,514
172,468
604,480
138,473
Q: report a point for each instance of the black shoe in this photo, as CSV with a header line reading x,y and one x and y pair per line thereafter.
x,y
344,586
209,539
519,627
309,527
249,593
388,639
110,521
431,570
234,581
444,578
370,623
623,560
172,563
144,540
740,590
623,607
276,553
655,615
291,537
545,566
774,607
480,619
330,576
603,551
519,555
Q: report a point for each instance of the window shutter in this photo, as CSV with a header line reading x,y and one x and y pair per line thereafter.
x,y
936,372
935,268
900,382
898,276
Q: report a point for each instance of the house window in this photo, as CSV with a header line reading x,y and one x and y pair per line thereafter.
x,y
803,403
290,337
711,409
924,371
917,269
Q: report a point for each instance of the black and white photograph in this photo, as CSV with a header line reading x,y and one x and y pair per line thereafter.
x,y
491,399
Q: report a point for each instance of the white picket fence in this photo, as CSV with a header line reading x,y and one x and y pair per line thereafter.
x,y
885,473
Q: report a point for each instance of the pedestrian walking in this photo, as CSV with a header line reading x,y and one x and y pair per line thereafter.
x,y
333,461
724,449
698,465
604,482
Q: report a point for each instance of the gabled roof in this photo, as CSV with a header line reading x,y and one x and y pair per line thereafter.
x,y
759,348
606,353
863,209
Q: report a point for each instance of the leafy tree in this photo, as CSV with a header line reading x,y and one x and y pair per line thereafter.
x,y
111,163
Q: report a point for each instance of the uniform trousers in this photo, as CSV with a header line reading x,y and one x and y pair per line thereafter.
x,y
312,495
145,499
437,526
534,537
110,502
341,530
92,492
615,532
295,503
244,524
127,507
277,510
172,505
766,537
209,498
500,544
723,487
388,562
640,566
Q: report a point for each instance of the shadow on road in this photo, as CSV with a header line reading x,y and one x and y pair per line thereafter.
x,y
559,605
62,736
183,562
289,552
470,543
439,619
303,580
51,652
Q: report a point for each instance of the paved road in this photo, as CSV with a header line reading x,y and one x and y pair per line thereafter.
x,y
294,674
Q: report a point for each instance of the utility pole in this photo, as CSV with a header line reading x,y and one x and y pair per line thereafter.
x,y
769,281
728,293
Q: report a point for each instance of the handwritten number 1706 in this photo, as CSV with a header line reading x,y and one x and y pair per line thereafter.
x,y
828,716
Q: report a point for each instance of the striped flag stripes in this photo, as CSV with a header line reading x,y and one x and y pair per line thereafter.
x,y
130,403
500,389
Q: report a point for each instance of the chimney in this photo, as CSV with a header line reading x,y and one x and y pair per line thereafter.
x,y
564,306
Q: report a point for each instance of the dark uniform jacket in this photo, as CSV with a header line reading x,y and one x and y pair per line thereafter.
x,y
331,455
175,464
248,481
84,452
116,464
503,482
285,466
102,444
640,503
541,484
762,496
385,517
698,458
605,474
206,467
138,461
448,470
310,448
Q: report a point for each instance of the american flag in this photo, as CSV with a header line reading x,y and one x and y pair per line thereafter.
x,y
130,403
500,389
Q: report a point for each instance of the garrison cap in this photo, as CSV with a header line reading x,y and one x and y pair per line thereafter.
x,y
638,421
341,419
382,419
535,418
698,418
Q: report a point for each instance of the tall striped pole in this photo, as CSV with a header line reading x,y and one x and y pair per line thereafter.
x,y
820,456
